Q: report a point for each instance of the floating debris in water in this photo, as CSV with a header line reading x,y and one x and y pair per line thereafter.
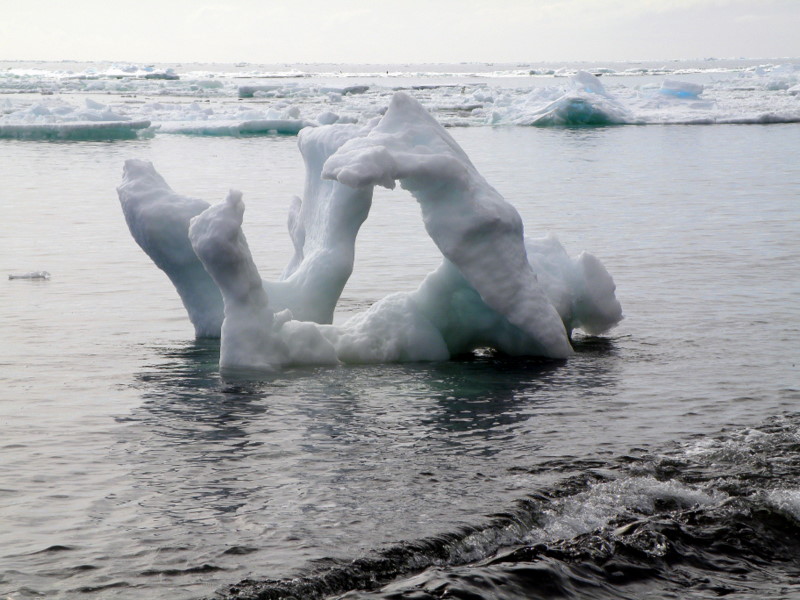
x,y
31,275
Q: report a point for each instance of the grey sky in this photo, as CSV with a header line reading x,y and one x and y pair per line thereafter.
x,y
377,31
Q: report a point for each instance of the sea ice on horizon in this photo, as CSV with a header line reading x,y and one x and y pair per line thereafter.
x,y
63,121
495,287
219,103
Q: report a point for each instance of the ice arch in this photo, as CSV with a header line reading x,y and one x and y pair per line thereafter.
x,y
494,287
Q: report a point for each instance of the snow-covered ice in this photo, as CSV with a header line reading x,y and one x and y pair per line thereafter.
x,y
495,288
158,220
681,89
60,120
586,102
46,103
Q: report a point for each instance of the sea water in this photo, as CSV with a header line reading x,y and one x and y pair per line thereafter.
x,y
661,459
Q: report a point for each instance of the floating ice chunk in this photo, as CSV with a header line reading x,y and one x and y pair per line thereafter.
x,y
73,130
355,89
680,89
327,118
31,275
444,317
586,103
59,120
158,220
472,225
585,81
168,74
236,128
249,91
95,111
573,111
94,105
494,287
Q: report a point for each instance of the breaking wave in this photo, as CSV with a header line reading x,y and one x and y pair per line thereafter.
x,y
709,517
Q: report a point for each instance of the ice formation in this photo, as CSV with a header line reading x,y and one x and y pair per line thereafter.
x,y
65,122
472,225
586,103
285,102
681,89
158,220
495,288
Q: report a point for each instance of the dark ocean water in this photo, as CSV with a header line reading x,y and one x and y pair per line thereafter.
x,y
661,461
708,518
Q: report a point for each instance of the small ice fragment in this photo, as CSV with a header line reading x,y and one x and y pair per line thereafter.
x,y
31,275
681,89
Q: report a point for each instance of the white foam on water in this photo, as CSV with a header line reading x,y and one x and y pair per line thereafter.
x,y
602,503
786,501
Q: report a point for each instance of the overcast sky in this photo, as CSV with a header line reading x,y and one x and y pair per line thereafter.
x,y
397,31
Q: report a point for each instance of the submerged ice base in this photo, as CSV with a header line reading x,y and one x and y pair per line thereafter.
x,y
495,287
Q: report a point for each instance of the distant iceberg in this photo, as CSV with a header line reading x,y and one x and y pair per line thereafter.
x,y
232,101
495,288
61,121
586,103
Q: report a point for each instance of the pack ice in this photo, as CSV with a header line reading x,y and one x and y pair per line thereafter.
x,y
495,288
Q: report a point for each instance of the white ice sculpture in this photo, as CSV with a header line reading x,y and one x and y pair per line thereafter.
x,y
495,288
323,227
158,220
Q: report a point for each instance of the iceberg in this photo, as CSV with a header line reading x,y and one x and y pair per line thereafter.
x,y
586,103
494,288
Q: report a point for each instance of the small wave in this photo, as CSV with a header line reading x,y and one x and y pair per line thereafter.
x,y
711,517
206,568
102,588
54,548
742,549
